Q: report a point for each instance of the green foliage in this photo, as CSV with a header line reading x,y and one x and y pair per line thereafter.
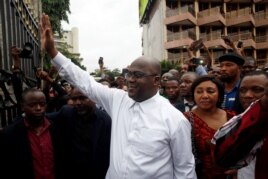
x,y
166,65
58,11
115,72
74,57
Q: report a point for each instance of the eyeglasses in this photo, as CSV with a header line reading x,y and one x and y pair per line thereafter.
x,y
137,74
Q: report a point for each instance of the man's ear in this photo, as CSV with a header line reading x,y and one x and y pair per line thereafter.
x,y
157,80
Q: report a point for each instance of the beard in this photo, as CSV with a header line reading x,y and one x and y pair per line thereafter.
x,y
226,79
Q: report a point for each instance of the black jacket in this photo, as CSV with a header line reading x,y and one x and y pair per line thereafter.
x,y
71,155
83,147
16,159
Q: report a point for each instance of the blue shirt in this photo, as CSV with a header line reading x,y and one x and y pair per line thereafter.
x,y
229,97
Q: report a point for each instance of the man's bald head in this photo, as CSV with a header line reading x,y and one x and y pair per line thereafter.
x,y
143,78
152,64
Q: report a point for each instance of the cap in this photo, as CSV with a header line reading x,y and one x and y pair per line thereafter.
x,y
232,57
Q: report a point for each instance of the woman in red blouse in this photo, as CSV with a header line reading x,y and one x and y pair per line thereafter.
x,y
206,119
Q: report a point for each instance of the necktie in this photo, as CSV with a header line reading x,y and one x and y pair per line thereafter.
x,y
188,107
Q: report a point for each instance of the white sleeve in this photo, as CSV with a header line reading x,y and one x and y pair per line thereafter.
x,y
81,79
181,148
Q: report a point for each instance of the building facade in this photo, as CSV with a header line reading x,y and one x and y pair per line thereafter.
x,y
170,26
69,38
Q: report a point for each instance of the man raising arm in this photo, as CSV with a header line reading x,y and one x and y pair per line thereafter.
x,y
150,138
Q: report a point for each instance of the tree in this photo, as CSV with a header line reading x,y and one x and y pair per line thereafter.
x,y
75,58
115,72
63,48
166,65
58,11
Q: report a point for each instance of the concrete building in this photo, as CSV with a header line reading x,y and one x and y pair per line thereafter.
x,y
69,37
169,26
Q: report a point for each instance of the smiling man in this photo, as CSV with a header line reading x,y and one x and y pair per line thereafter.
x,y
150,138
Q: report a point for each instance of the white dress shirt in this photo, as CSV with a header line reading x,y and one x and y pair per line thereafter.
x,y
247,172
149,140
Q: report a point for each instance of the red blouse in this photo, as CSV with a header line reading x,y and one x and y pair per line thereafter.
x,y
205,150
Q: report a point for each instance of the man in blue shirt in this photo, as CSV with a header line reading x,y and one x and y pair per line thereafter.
x,y
230,69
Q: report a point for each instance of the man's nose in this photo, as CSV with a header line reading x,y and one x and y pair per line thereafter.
x,y
131,79
182,84
249,94
37,106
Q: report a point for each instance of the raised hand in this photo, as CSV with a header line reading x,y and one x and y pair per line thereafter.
x,y
44,76
47,39
15,51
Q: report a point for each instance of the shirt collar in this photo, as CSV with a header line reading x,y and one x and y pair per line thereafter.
x,y
46,124
185,102
237,84
235,87
146,102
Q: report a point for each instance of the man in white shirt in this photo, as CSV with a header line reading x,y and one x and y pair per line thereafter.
x,y
150,139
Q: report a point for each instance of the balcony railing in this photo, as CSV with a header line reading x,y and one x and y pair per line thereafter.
x,y
211,36
260,39
172,12
241,36
261,61
209,12
184,9
261,15
178,56
217,54
189,9
238,13
181,35
173,55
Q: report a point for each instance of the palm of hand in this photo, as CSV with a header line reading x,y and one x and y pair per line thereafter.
x,y
47,40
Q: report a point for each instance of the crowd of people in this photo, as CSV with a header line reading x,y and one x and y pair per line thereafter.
x,y
202,122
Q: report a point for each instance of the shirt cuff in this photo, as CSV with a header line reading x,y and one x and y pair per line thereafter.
x,y
59,60
200,70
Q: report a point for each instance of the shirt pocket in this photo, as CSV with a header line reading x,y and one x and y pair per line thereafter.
x,y
149,141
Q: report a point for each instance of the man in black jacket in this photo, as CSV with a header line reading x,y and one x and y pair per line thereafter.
x,y
83,144
71,143
27,144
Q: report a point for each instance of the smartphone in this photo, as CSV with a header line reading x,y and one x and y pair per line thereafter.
x,y
197,61
100,60
239,44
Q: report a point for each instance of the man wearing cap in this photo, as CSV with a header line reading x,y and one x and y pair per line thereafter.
x,y
230,70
